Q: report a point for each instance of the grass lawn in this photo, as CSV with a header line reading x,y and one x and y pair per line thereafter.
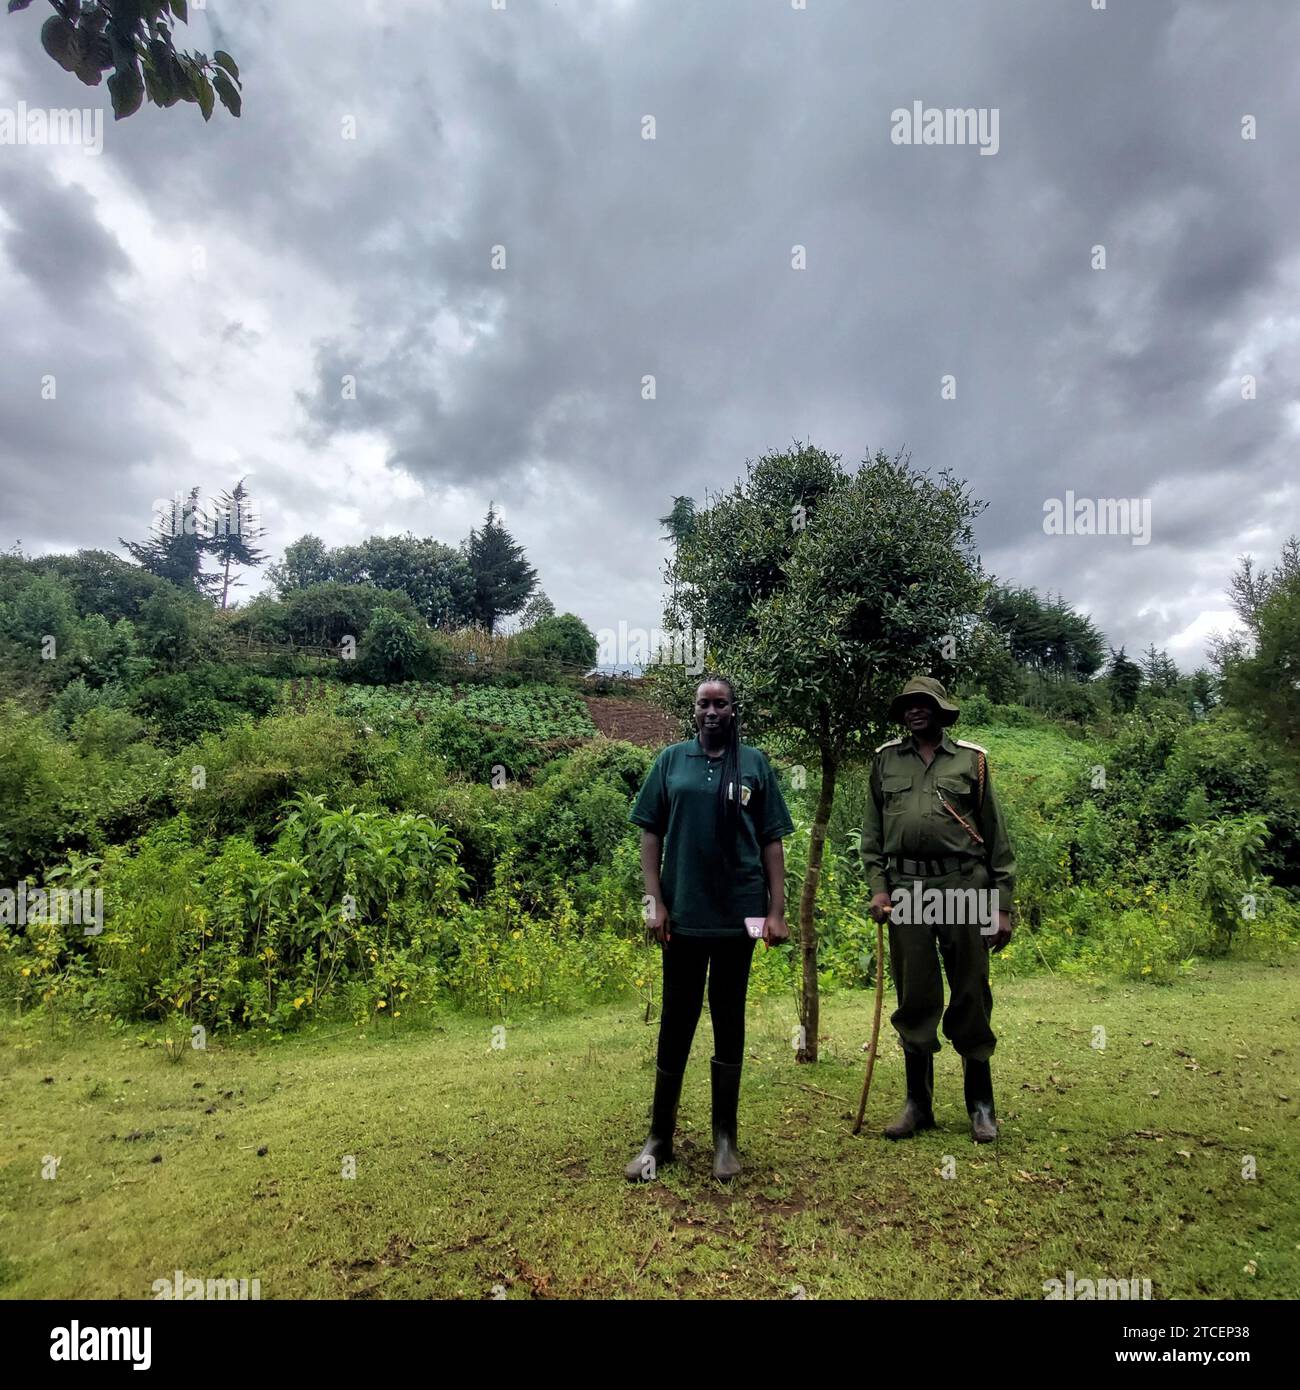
x,y
482,1169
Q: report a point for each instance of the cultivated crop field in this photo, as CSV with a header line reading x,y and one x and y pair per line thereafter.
x,y
537,712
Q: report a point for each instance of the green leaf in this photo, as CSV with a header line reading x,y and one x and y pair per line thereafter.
x,y
16,5
180,10
223,59
59,40
230,98
206,97
126,87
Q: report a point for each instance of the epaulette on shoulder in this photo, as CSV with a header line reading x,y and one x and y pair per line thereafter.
x,y
966,743
888,743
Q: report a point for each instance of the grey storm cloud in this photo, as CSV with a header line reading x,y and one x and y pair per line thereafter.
x,y
672,257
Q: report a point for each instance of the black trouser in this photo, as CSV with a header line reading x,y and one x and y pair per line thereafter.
x,y
687,960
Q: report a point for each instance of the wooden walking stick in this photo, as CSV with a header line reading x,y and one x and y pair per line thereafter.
x,y
875,1022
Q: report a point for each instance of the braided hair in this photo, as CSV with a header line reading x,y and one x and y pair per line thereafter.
x,y
727,819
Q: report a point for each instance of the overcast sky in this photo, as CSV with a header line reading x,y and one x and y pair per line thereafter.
x,y
198,292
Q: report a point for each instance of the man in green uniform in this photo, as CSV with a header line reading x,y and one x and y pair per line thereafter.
x,y
933,832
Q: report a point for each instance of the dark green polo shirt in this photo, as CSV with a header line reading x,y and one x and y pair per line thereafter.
x,y
679,803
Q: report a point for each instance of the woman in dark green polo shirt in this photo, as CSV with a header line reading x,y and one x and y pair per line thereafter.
x,y
712,818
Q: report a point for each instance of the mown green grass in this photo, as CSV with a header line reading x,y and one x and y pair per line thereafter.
x,y
482,1169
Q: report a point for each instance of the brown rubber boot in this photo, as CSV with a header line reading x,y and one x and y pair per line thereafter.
x,y
978,1085
918,1109
658,1147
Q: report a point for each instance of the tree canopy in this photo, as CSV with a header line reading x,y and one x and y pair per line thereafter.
x,y
503,578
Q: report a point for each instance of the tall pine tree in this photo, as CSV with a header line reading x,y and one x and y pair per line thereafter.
x,y
176,545
234,529
503,578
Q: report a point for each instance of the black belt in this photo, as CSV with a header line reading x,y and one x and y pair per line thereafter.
x,y
930,868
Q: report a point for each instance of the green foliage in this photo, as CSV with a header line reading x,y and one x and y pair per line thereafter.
x,y
479,753
822,591
434,577
1264,685
503,580
176,629
394,647
513,952
42,608
58,795
320,614
565,640
183,706
134,41
1045,636
533,712
1124,678
249,769
1224,876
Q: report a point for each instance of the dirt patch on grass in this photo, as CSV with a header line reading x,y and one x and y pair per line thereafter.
x,y
634,721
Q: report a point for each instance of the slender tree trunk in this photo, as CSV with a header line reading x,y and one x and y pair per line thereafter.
x,y
225,587
809,999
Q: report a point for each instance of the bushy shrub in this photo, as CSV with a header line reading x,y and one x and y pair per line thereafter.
x,y
40,779
396,647
183,706
563,640
477,753
245,772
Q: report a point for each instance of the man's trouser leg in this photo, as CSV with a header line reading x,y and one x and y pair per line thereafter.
x,y
967,1019
918,982
914,962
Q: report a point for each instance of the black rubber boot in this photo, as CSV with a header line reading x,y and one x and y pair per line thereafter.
x,y
918,1109
658,1147
979,1101
726,1101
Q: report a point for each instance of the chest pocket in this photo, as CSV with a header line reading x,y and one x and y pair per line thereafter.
x,y
957,789
896,788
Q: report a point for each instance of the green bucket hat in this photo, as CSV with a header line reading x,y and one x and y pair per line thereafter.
x,y
929,687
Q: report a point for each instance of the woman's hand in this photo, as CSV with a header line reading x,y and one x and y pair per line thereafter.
x,y
775,930
658,927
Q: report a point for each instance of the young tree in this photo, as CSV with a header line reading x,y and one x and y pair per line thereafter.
x,y
821,592
1125,678
306,562
1264,684
1248,591
234,529
503,578
537,608
1160,672
135,39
